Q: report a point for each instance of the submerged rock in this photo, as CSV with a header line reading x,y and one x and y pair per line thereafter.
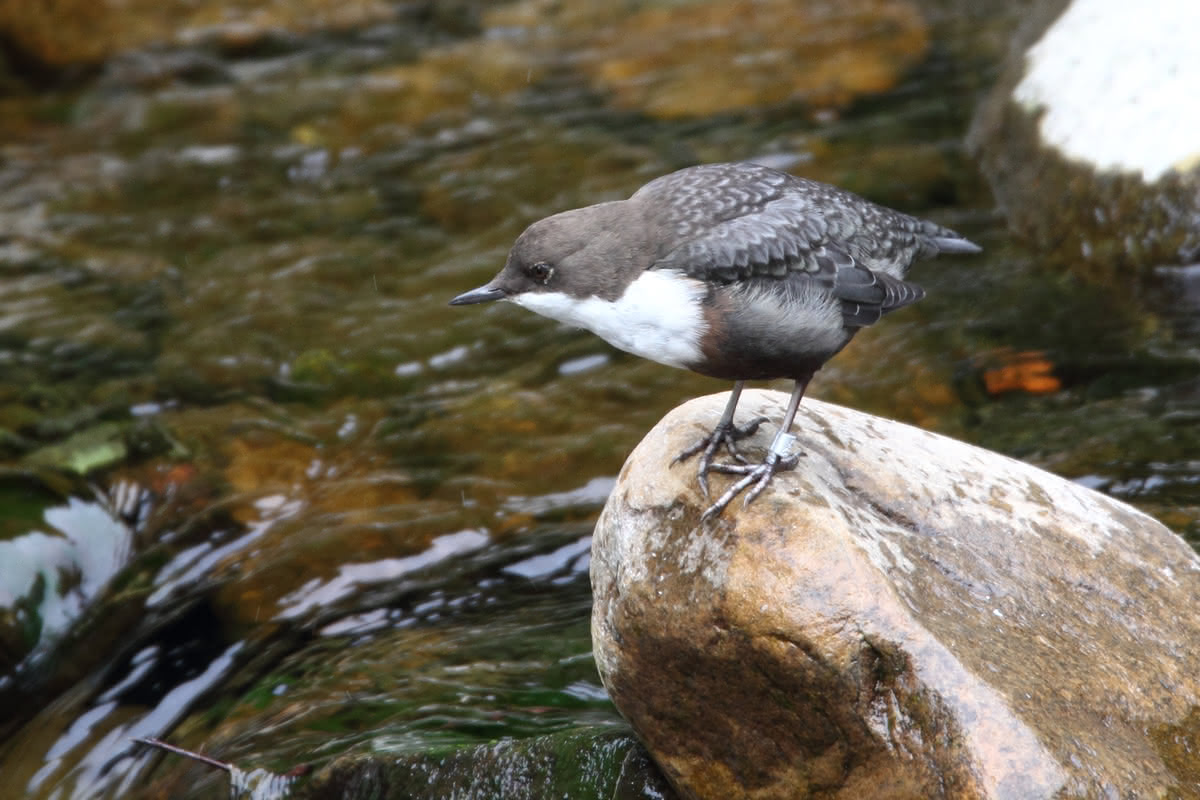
x,y
579,764
902,616
55,34
660,59
1089,141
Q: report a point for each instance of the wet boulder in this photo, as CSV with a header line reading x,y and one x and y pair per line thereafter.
x,y
1089,137
54,37
657,58
902,616
580,764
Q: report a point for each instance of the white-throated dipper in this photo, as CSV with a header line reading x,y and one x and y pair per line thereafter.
x,y
736,271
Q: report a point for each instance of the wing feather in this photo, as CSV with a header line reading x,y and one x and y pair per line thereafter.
x,y
741,222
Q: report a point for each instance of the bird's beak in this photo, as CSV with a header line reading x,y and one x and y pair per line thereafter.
x,y
484,294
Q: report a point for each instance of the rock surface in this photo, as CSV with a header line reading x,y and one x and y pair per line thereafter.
x,y
903,616
1088,138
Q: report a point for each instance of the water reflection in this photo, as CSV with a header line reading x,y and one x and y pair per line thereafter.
x,y
353,578
192,564
97,753
49,577
484,655
589,496
561,565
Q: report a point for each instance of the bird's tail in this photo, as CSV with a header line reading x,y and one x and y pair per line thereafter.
x,y
954,244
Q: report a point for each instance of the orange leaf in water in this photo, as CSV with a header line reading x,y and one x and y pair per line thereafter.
x,y
1027,372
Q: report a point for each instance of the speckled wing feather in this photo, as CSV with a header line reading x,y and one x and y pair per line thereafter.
x,y
743,222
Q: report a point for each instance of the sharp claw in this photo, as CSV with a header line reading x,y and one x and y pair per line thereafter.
x,y
756,477
751,426
759,476
691,451
727,435
725,499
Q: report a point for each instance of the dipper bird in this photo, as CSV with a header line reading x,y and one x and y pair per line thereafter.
x,y
736,271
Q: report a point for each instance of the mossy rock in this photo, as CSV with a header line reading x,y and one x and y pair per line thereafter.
x,y
582,764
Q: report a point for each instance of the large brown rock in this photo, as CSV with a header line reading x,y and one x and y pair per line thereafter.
x,y
903,616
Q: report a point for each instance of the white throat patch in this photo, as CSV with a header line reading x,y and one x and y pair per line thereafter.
x,y
659,317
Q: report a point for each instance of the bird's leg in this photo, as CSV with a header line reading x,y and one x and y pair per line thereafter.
x,y
779,458
725,433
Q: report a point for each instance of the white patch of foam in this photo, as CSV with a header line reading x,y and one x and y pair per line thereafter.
x,y
659,317
1119,83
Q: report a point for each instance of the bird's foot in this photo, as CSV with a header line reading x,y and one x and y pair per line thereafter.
x,y
723,434
757,475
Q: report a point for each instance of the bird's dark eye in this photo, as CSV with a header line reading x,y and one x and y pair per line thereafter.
x,y
541,272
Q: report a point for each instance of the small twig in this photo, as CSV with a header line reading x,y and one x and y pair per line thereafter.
x,y
212,762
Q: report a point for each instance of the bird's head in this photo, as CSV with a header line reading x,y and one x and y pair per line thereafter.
x,y
581,253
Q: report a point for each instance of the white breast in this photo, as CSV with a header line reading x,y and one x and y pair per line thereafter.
x,y
659,317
